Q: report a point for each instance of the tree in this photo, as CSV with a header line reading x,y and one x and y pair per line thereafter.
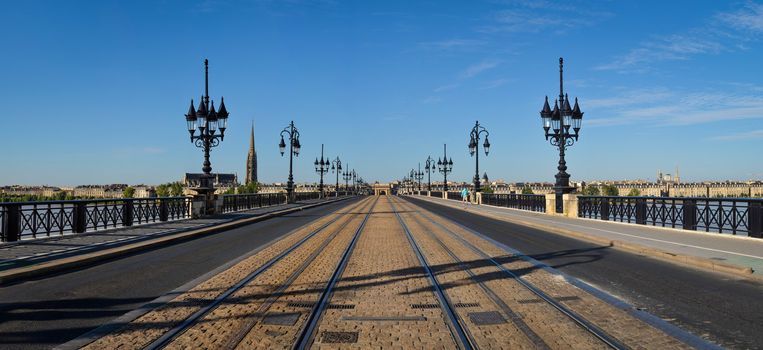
x,y
176,189
487,189
162,190
634,192
251,187
527,190
610,190
128,192
591,191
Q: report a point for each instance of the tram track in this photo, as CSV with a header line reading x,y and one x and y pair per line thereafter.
x,y
579,320
168,337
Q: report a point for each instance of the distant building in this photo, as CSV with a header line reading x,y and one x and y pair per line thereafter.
x,y
251,160
221,182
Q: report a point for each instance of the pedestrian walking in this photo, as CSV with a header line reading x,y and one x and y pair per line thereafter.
x,y
465,197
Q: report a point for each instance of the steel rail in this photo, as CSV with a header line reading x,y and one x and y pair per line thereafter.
x,y
268,303
308,333
574,316
458,329
513,316
180,328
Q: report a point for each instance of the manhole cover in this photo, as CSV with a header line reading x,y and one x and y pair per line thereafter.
x,y
281,319
339,337
486,318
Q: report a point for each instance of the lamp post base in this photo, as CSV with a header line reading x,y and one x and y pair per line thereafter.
x,y
559,192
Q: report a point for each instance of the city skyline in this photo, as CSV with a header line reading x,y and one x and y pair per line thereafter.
x,y
383,87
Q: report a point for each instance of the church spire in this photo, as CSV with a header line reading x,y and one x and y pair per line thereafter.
x,y
251,159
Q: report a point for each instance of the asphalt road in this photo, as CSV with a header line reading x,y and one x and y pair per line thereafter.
x,y
722,309
49,311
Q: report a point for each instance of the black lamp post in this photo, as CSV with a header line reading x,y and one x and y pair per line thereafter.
x,y
336,166
354,176
322,167
294,147
556,125
208,121
418,175
474,143
429,167
347,175
445,166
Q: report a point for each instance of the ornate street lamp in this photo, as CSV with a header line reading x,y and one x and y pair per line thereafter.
x,y
474,143
347,176
418,175
336,166
322,167
294,146
556,125
429,168
354,176
208,121
445,166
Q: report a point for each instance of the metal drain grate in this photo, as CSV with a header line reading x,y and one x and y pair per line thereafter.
x,y
281,319
341,306
466,304
486,318
528,301
567,298
301,304
424,306
339,337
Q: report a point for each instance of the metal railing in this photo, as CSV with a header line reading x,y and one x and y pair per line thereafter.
x,y
238,202
531,202
437,194
30,220
456,196
304,196
738,216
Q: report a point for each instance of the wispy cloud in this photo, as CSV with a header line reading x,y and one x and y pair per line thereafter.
x,y
725,32
445,87
537,16
747,135
663,108
479,67
495,84
749,18
452,44
431,100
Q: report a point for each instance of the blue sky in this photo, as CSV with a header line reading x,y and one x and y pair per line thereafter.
x,y
95,92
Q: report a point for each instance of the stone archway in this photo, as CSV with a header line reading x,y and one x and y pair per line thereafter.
x,y
382,189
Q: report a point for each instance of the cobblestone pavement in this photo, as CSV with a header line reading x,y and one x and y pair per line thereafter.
x,y
384,298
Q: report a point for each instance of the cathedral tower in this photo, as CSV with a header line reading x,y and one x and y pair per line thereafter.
x,y
251,160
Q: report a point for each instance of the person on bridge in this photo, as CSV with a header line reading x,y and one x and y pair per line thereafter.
x,y
465,197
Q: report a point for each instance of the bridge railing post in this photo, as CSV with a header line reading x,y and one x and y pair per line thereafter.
x,y
755,219
11,223
163,212
689,214
127,212
604,208
641,211
79,217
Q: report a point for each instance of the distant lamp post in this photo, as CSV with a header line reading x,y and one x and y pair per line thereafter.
x,y
418,175
429,168
322,167
354,176
556,125
336,166
445,166
347,175
293,134
474,142
208,121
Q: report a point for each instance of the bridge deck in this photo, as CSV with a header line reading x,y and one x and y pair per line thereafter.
x,y
736,252
385,273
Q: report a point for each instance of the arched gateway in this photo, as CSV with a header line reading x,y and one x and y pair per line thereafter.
x,y
382,189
